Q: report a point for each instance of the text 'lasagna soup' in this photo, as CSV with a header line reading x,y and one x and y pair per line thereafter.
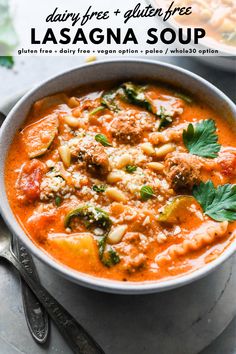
x,y
132,182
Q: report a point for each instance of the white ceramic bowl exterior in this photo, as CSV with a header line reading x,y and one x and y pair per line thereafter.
x,y
115,70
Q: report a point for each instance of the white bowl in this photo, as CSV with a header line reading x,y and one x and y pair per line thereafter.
x,y
115,70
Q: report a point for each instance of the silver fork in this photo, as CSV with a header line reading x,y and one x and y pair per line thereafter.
x,y
76,336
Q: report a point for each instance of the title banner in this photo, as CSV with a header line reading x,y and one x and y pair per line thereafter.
x,y
132,28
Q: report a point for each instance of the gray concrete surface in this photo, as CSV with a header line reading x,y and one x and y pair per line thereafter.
x,y
183,321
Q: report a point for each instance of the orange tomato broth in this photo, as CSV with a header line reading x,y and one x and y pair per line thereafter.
x,y
88,261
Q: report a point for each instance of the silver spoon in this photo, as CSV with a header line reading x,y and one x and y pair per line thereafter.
x,y
36,316
75,335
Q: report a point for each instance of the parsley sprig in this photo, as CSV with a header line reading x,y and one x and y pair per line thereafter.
x,y
218,203
146,192
130,168
200,139
99,188
100,138
58,201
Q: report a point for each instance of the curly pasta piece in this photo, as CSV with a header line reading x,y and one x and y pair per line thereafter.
x,y
196,243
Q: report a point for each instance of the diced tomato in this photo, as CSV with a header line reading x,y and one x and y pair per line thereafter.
x,y
28,183
227,162
86,104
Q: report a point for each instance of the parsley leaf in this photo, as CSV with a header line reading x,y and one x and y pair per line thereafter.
x,y
130,168
7,62
146,192
99,188
58,201
200,139
218,203
100,138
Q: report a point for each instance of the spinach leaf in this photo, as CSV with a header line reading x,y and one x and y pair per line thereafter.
x,y
99,188
108,100
111,257
130,168
92,217
165,119
135,94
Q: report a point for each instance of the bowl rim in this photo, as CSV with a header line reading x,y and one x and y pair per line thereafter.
x,y
103,284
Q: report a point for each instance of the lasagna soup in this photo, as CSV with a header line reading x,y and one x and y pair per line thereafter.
x,y
133,182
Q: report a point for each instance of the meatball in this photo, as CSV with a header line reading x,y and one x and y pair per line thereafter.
x,y
91,154
95,157
182,171
128,128
132,249
227,161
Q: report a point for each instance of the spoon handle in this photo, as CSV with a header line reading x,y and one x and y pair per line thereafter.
x,y
75,335
36,315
